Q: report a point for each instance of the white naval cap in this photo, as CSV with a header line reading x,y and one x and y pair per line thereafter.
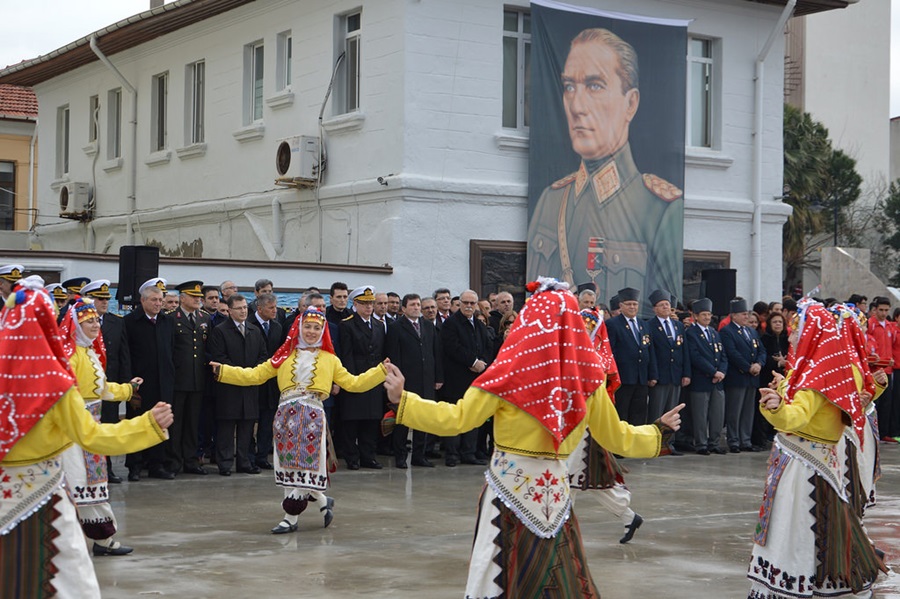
x,y
158,282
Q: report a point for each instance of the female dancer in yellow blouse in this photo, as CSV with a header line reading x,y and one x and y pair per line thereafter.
x,y
544,388
85,471
810,541
306,368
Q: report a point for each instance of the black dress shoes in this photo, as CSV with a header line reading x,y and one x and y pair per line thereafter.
x,y
702,452
250,470
751,448
475,462
134,475
422,462
352,465
225,472
435,455
265,465
116,548
195,470
284,527
631,528
674,451
734,449
111,477
451,462
401,463
372,464
718,450
162,473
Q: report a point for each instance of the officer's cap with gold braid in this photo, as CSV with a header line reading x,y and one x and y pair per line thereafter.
x,y
56,291
11,272
98,289
192,288
158,282
75,284
365,294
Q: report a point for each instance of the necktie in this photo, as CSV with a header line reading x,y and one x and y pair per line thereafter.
x,y
241,329
746,334
369,324
668,329
266,327
191,319
635,330
708,335
153,319
415,324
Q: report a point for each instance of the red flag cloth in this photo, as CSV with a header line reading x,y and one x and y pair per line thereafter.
x,y
822,363
34,370
548,365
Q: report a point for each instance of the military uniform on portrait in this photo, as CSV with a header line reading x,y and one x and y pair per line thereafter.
x,y
611,225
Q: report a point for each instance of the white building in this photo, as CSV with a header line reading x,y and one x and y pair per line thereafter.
x,y
175,130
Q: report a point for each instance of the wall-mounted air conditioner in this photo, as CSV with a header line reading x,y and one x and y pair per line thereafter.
x,y
297,157
75,201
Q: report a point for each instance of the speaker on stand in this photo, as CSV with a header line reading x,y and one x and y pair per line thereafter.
x,y
719,285
137,264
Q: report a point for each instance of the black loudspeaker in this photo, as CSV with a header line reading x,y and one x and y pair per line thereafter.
x,y
719,285
137,264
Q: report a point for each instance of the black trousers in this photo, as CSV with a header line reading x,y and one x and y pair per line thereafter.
x,y
886,406
263,446
181,450
461,447
226,431
631,403
398,441
358,439
152,458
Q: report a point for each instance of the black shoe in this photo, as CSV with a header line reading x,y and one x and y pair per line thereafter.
x,y
195,470
250,470
329,510
134,475
702,452
718,450
224,472
631,528
734,449
752,448
422,462
435,455
674,451
115,549
475,462
265,465
162,474
352,465
401,463
111,477
284,527
451,462
371,464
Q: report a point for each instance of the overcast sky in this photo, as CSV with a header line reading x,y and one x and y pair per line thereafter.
x,y
29,28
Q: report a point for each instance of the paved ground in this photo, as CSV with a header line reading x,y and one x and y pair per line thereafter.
x,y
405,534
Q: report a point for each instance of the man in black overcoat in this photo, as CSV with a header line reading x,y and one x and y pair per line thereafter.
x,y
266,318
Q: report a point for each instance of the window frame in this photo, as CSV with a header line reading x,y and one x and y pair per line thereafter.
x,y
348,96
63,123
159,137
195,102
114,124
254,81
284,59
523,52
712,93
94,118
8,224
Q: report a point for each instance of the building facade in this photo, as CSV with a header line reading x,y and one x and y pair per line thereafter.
x,y
18,121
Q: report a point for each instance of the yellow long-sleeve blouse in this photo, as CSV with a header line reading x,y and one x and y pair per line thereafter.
x,y
67,422
516,431
91,379
810,415
326,370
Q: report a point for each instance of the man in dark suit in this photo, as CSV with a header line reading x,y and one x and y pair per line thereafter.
x,y
629,338
264,287
430,312
337,309
151,344
362,347
206,433
746,358
118,361
466,350
191,333
267,320
414,347
236,342
670,352
708,366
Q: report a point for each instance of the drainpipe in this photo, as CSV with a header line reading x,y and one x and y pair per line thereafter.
x,y
32,218
277,228
132,183
758,114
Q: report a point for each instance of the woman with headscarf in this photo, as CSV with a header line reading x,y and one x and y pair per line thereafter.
x,y
544,388
809,541
86,473
306,368
42,549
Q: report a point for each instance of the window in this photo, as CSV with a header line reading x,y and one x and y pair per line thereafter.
x,y
62,141
516,67
283,60
351,38
700,93
253,82
7,196
94,119
196,96
114,124
159,112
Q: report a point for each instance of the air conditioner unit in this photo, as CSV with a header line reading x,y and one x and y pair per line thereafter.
x,y
297,157
75,201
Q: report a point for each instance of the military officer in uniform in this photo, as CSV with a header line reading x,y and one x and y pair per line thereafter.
x,y
9,275
191,332
72,288
606,223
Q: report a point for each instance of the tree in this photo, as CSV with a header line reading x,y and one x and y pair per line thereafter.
x,y
891,223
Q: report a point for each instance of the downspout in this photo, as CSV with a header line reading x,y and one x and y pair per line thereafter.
x,y
32,214
277,228
132,183
758,114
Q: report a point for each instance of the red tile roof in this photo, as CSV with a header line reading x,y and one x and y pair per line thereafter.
x,y
17,102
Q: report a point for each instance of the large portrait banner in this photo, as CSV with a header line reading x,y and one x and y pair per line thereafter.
x,y
606,158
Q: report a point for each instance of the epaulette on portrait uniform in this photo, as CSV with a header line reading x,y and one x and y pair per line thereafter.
x,y
564,181
661,188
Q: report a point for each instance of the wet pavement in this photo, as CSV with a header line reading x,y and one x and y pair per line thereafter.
x,y
408,533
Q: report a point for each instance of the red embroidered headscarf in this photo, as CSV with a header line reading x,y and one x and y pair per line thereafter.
x,y
34,369
295,339
72,334
548,365
822,363
596,328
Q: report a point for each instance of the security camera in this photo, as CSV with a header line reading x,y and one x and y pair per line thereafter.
x,y
382,181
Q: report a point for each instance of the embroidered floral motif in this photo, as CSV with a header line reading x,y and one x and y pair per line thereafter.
x,y
778,460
